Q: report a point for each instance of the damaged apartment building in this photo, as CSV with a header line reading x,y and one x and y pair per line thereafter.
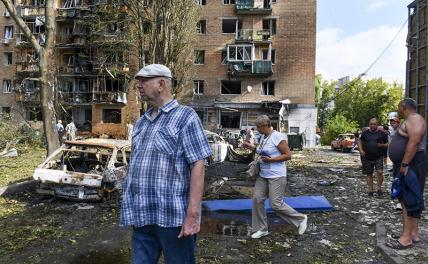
x,y
92,56
417,55
256,57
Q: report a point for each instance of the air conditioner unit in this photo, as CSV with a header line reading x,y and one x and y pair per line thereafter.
x,y
6,13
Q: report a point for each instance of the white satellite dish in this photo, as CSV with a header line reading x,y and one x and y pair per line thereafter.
x,y
249,88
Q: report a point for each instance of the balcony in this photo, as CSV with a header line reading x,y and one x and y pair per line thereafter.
x,y
68,40
21,40
26,67
110,97
253,7
30,11
75,98
73,12
250,36
254,68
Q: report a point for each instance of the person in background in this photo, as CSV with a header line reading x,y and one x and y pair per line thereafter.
x,y
60,131
70,131
371,144
272,180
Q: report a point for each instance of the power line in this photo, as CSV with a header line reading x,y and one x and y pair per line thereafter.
x,y
371,65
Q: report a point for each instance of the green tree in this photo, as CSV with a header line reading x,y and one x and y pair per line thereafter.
x,y
336,125
324,91
360,100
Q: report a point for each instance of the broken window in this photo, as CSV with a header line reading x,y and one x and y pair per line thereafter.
x,y
198,87
230,87
199,56
266,4
231,25
34,114
270,24
7,58
201,27
239,52
268,88
223,57
201,2
112,116
7,86
272,56
230,119
68,59
228,2
8,32
37,2
112,85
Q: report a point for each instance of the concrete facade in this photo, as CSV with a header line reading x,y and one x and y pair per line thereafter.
x,y
289,48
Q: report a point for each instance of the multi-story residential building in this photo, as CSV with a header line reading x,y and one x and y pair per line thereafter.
x,y
8,104
417,55
252,57
256,57
92,65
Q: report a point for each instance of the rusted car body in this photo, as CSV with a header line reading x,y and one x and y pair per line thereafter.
x,y
344,142
87,169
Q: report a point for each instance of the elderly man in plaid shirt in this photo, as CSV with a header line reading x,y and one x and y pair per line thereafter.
x,y
163,188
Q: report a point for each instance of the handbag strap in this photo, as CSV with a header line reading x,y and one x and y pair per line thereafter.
x,y
265,141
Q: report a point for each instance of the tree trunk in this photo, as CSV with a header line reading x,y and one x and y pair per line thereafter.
x,y
47,74
47,93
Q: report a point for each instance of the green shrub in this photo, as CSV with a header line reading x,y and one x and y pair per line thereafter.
x,y
336,125
13,132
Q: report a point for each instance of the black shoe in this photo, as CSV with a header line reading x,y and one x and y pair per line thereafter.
x,y
370,194
379,193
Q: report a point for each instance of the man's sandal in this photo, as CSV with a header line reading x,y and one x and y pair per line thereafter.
x,y
396,244
395,236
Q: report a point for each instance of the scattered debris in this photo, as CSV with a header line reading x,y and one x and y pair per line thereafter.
x,y
85,207
9,153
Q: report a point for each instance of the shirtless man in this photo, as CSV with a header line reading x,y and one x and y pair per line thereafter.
x,y
407,150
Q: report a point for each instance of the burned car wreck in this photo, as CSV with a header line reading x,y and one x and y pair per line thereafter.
x,y
89,169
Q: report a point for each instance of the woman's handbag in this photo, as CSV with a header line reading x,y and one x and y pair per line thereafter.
x,y
254,166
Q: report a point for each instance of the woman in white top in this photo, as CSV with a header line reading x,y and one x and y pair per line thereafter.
x,y
272,180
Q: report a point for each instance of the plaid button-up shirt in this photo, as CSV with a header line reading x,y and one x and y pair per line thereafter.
x,y
157,186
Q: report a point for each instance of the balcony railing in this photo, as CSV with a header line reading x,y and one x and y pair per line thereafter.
x,y
22,40
250,68
23,66
250,35
89,97
253,7
30,11
70,40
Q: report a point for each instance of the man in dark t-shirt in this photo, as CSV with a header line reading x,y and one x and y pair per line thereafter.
x,y
371,145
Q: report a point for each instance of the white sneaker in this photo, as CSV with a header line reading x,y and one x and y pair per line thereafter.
x,y
303,225
259,234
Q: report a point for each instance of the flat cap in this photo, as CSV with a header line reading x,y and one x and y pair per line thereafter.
x,y
154,70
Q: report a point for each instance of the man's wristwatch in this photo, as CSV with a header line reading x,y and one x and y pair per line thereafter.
x,y
404,165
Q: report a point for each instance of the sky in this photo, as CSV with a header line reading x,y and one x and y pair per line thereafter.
x,y
352,33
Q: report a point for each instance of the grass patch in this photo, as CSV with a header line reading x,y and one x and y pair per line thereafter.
x,y
16,169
